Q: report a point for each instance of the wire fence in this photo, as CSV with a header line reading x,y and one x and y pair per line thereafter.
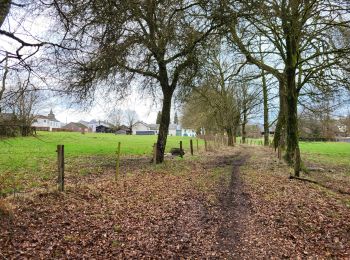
x,y
26,165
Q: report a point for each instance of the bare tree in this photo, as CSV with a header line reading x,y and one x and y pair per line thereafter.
x,y
131,118
248,96
116,117
222,95
153,39
300,36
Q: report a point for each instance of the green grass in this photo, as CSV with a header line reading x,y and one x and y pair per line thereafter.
x,y
335,153
25,151
27,161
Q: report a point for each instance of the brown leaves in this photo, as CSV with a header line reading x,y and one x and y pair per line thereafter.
x,y
191,208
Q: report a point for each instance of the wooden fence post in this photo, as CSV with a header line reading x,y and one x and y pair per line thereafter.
x,y
191,144
205,144
197,145
117,164
181,154
60,164
155,153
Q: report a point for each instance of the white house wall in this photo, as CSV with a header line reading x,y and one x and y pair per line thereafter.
x,y
40,122
139,127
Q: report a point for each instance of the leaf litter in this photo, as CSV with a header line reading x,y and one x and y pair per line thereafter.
x,y
236,204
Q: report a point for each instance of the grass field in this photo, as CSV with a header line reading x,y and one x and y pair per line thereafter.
x,y
20,152
26,159
333,153
327,152
29,161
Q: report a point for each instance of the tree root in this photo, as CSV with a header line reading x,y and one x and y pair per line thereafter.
x,y
319,184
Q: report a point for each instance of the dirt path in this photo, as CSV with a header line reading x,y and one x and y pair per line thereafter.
x,y
235,208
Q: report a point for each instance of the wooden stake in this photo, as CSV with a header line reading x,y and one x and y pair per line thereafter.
x,y
197,145
181,155
297,162
60,164
205,144
191,144
117,164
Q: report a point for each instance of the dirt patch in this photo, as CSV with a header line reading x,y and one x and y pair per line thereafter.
x,y
234,204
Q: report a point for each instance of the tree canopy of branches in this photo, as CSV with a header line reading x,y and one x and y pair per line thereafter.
x,y
298,38
221,98
152,39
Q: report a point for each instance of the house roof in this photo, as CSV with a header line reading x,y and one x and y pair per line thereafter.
x,y
142,123
84,123
46,117
156,126
98,122
41,117
75,124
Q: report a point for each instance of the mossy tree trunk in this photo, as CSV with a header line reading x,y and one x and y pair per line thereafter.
x,y
290,29
229,132
266,110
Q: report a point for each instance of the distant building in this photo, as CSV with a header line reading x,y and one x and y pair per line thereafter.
x,y
103,129
93,124
46,122
76,127
123,130
186,132
142,128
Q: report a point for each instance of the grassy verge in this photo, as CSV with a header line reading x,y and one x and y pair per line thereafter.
x,y
30,161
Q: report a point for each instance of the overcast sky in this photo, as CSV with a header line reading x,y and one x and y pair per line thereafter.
x,y
29,28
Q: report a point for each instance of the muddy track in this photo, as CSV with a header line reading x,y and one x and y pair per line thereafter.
x,y
235,208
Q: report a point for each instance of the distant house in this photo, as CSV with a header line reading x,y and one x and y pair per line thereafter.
x,y
142,128
93,124
186,132
46,122
103,129
123,130
76,127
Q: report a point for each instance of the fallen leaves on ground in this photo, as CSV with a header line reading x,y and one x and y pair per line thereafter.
x,y
238,203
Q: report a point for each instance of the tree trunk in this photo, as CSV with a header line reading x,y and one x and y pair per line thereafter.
x,y
229,136
290,30
244,123
280,131
292,120
164,125
266,110
4,10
